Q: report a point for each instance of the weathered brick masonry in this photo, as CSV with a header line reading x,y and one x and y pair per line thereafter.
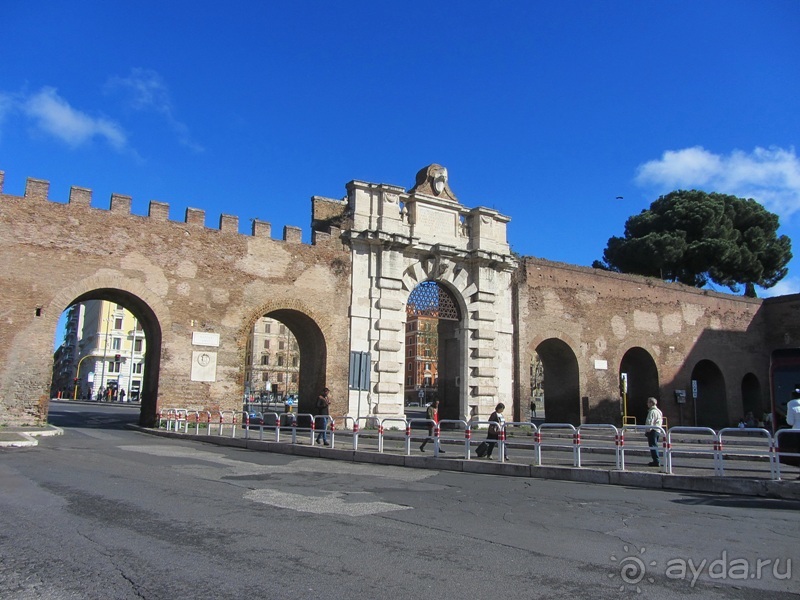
x,y
179,278
183,278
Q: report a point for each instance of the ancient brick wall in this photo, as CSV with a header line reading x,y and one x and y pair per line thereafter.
x,y
602,315
179,277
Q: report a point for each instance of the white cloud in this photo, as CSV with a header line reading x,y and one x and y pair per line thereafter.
x,y
769,175
789,285
53,115
145,90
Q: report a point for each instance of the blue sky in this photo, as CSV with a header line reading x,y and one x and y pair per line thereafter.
x,y
545,111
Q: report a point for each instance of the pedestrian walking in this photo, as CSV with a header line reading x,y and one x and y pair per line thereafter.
x,y
497,420
432,414
323,410
656,419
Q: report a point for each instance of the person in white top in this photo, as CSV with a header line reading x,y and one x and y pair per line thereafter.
x,y
793,411
655,419
790,442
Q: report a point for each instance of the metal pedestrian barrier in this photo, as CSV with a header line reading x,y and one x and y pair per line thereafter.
x,y
600,437
755,446
702,442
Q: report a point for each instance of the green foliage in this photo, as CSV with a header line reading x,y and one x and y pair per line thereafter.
x,y
694,238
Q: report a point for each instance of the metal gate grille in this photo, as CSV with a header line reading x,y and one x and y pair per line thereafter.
x,y
429,299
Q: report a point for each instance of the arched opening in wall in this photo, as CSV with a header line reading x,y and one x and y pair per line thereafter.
x,y
285,363
110,352
433,350
711,404
560,382
753,407
639,371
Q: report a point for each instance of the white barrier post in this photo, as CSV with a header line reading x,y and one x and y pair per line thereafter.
x,y
752,450
246,424
672,450
598,427
541,442
778,434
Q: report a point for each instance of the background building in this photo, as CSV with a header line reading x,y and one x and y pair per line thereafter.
x,y
422,362
102,353
273,360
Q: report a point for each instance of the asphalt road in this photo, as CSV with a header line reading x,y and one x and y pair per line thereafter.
x,y
107,512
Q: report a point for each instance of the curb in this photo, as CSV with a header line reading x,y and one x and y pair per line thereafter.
x,y
765,488
21,437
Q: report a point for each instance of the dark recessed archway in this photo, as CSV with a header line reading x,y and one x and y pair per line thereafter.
x,y
751,397
560,383
711,402
313,355
641,375
152,333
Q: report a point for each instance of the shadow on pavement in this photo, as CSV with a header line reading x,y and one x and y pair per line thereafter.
x,y
89,416
739,502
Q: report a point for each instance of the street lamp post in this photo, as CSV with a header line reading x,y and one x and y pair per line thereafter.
x,y
78,375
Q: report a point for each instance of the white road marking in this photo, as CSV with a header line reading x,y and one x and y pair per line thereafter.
x,y
332,503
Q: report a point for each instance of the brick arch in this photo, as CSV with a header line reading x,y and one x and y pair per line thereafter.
x,y
562,379
642,381
312,340
559,335
151,312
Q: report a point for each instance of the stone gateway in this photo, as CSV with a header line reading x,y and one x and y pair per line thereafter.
x,y
593,344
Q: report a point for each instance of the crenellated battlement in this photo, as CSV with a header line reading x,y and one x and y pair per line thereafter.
x,y
80,198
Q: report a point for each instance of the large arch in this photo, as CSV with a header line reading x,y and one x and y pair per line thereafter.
x,y
711,405
431,300
152,333
454,282
561,382
641,376
312,346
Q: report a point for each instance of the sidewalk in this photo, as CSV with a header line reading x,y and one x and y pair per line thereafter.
x,y
20,437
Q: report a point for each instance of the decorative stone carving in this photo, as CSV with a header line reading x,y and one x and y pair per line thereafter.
x,y
432,180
